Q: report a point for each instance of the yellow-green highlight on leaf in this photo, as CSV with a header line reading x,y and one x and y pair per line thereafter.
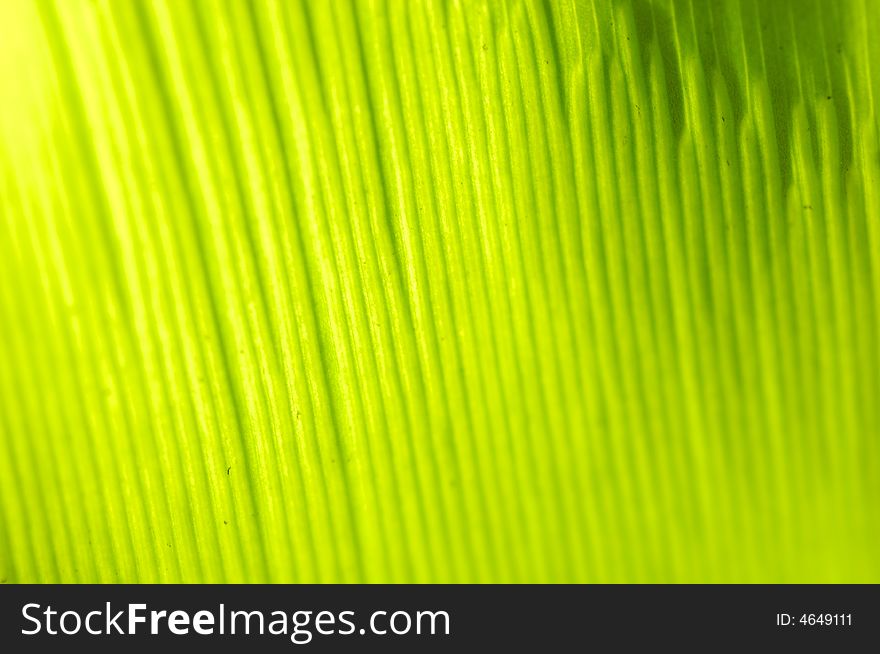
x,y
439,291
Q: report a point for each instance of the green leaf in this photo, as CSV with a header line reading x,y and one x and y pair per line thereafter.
x,y
439,291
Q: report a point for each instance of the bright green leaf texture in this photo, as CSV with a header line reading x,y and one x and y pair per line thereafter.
x,y
439,291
